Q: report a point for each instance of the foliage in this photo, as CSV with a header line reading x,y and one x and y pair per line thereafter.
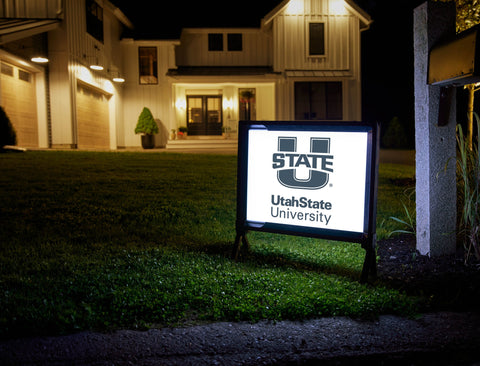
x,y
8,135
395,136
132,240
146,123
468,181
468,13
408,219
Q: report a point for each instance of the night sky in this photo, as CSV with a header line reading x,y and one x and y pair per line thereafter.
x,y
387,47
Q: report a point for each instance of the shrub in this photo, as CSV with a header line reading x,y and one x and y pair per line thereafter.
x,y
395,136
468,188
7,132
146,123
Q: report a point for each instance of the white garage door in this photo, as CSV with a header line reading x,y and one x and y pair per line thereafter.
x,y
18,99
92,119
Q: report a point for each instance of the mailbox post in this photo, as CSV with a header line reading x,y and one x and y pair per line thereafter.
x,y
435,144
443,61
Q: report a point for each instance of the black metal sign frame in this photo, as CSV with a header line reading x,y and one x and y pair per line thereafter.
x,y
367,237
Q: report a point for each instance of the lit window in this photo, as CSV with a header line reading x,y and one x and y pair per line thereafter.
x,y
147,64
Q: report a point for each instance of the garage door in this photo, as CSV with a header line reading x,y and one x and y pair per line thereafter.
x,y
92,119
19,101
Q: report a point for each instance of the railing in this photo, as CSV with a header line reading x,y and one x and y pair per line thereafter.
x,y
31,9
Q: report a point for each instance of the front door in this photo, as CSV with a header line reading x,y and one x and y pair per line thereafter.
x,y
204,116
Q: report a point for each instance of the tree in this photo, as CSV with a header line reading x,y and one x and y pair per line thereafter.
x,y
468,15
146,123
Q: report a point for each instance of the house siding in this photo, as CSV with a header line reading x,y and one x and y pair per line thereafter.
x,y
340,63
193,48
272,59
72,50
156,97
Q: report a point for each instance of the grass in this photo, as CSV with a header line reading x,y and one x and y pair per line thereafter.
x,y
133,240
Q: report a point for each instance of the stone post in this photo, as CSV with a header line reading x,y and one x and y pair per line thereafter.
x,y
434,145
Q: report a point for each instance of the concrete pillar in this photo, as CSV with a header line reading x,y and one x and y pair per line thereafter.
x,y
434,145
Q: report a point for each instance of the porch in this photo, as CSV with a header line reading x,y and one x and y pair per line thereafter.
x,y
204,144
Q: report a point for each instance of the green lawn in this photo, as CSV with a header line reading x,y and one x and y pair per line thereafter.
x,y
108,240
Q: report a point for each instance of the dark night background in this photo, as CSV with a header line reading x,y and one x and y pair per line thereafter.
x,y
387,47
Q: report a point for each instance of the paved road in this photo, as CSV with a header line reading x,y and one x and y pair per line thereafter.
x,y
431,339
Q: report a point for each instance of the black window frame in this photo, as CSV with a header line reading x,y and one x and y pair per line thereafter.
x,y
235,42
94,19
309,93
215,42
316,39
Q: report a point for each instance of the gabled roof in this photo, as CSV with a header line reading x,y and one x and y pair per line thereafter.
x,y
365,19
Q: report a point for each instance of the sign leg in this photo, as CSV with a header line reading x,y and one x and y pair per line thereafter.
x,y
370,263
240,242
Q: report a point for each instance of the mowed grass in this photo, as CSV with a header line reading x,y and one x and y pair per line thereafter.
x,y
92,240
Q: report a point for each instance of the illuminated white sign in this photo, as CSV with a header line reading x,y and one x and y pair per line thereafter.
x,y
313,179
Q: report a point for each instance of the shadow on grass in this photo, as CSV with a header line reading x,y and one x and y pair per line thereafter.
x,y
255,257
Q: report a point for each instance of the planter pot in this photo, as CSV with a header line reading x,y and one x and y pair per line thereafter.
x,y
148,141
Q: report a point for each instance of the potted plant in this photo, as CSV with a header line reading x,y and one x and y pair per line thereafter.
x,y
148,127
182,132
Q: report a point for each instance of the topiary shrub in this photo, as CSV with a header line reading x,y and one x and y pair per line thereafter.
x,y
8,135
146,123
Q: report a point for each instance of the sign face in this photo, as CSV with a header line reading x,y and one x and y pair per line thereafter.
x,y
311,179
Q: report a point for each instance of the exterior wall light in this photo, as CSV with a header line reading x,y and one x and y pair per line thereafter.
x,y
39,59
96,67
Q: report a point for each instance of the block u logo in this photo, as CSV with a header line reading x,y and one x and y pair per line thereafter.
x,y
288,177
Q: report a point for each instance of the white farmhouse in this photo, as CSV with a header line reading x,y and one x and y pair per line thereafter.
x,y
303,63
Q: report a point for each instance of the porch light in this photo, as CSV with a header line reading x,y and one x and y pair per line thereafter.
x,y
227,103
181,104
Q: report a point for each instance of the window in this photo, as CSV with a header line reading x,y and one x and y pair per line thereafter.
x,y
234,41
24,75
147,64
215,42
94,20
318,101
7,69
247,106
316,40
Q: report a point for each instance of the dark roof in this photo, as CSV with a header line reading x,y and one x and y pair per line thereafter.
x,y
220,71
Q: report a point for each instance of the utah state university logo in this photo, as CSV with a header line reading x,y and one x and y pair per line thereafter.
x,y
318,161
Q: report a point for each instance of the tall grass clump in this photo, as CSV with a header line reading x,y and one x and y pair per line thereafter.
x,y
468,188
